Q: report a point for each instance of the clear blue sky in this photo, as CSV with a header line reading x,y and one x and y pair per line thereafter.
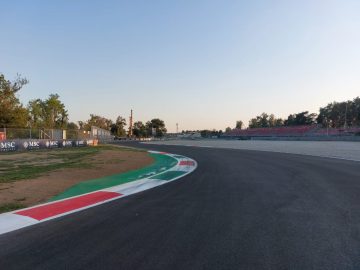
x,y
203,64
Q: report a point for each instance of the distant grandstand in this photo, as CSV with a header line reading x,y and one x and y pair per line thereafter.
x,y
294,131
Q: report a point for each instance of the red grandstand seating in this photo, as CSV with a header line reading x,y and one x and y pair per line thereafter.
x,y
337,131
266,132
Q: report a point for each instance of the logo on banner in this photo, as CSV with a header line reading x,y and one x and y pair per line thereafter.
x,y
66,143
7,146
80,143
52,144
31,145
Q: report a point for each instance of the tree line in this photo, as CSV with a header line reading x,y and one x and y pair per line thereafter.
x,y
51,113
155,127
334,114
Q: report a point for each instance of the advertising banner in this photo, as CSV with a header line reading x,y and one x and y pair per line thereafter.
x,y
8,146
27,145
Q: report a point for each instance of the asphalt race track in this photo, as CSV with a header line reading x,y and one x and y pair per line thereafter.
x,y
239,210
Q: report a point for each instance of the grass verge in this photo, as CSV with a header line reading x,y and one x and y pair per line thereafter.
x,y
33,164
7,207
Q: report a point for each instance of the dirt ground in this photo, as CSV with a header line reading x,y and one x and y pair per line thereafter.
x,y
39,189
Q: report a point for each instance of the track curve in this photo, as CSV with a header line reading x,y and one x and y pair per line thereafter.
x,y
239,210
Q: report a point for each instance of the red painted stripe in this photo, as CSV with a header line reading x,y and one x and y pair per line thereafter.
x,y
58,208
187,163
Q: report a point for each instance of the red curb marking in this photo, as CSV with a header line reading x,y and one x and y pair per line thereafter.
x,y
57,208
163,153
187,163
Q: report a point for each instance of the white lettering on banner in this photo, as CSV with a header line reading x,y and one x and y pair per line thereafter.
x,y
51,144
80,143
67,143
34,144
7,146
54,143
31,144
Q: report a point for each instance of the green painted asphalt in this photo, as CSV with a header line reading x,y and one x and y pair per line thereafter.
x,y
161,164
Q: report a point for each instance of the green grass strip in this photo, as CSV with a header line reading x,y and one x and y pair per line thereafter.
x,y
162,163
7,207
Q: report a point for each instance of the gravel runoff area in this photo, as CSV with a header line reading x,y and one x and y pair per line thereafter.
x,y
331,149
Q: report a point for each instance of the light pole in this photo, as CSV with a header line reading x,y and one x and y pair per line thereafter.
x,y
327,126
346,107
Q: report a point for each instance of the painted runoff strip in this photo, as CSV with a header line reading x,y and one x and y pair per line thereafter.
x,y
54,209
162,163
29,216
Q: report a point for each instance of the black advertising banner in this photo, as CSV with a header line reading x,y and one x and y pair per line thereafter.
x,y
28,145
8,146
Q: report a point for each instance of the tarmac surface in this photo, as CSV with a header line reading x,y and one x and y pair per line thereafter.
x,y
240,209
334,149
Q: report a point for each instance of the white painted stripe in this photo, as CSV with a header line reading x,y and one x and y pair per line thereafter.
x,y
138,187
10,222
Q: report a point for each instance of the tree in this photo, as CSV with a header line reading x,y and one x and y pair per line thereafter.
x,y
36,112
55,114
272,120
340,114
15,85
97,121
279,122
158,125
265,120
356,112
301,119
118,128
81,124
253,123
139,129
49,113
239,124
228,129
72,126
260,121
12,113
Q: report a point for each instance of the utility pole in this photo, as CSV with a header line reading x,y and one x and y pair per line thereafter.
x,y
177,128
327,126
345,125
131,124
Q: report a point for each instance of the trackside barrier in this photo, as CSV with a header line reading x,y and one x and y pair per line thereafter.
x,y
28,145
